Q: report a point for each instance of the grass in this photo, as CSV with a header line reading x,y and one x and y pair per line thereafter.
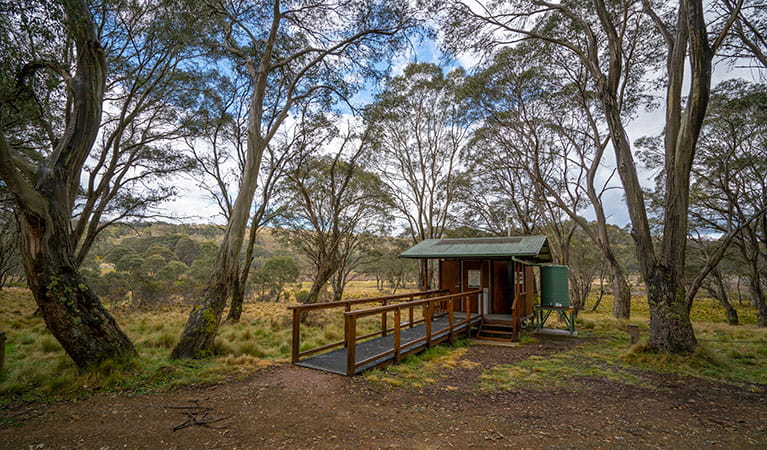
x,y
734,354
725,353
554,373
703,310
730,354
37,367
424,369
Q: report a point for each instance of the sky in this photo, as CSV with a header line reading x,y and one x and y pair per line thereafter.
x,y
193,206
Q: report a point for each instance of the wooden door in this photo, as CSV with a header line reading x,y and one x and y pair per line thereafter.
x,y
501,289
449,276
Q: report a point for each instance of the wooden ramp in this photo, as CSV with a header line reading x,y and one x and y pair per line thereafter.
x,y
336,361
402,331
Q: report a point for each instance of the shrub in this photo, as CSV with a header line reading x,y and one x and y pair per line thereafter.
x,y
302,295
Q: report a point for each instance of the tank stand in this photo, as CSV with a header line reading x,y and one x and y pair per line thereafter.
x,y
566,315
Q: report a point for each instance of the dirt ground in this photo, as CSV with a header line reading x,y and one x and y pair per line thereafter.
x,y
292,407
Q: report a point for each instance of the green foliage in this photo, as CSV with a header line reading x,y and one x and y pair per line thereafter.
x,y
148,268
151,264
187,250
112,285
171,271
162,251
419,124
271,278
302,295
333,209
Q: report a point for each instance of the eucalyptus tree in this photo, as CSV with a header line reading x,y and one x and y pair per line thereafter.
x,y
219,148
729,189
618,44
291,52
717,282
748,38
53,79
334,211
501,196
152,88
727,193
541,137
586,262
420,124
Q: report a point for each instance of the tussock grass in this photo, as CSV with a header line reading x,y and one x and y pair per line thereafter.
x,y
703,310
36,364
725,353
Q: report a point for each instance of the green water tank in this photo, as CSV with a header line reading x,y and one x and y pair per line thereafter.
x,y
554,290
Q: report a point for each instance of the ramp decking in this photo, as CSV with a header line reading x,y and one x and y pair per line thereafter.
x,y
336,361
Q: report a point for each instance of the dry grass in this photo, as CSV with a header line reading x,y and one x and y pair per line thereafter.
x,y
703,310
36,364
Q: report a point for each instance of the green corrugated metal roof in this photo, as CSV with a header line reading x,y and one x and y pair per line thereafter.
x,y
534,248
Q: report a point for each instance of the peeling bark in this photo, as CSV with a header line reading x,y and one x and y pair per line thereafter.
x,y
71,310
45,199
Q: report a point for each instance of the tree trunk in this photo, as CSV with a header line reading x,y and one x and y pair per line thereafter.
x,y
72,312
759,299
201,327
314,291
718,291
423,274
601,290
200,332
238,291
729,310
238,295
740,293
323,275
338,292
44,202
670,326
621,293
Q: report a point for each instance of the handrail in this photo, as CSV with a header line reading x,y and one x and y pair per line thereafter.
x,y
380,309
296,352
350,325
355,301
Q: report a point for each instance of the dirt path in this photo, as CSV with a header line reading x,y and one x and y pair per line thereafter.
x,y
292,407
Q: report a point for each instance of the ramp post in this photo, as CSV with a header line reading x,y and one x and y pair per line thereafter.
x,y
296,347
351,341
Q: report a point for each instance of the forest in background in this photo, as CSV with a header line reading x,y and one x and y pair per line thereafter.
x,y
154,265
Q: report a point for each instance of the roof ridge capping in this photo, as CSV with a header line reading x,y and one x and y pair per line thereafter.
x,y
535,247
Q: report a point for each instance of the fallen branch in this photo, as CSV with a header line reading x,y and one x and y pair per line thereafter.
x,y
197,415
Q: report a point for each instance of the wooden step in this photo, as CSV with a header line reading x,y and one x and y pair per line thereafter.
x,y
500,323
491,338
501,332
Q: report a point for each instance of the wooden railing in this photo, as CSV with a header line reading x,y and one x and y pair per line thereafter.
x,y
299,310
433,307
